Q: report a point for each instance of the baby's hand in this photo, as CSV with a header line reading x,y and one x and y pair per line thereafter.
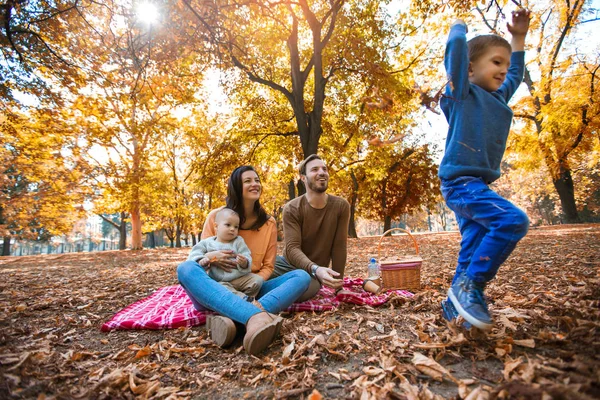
x,y
520,22
204,262
242,261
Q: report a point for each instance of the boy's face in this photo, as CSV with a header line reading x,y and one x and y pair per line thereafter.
x,y
489,70
227,227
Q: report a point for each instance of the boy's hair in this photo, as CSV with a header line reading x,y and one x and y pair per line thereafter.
x,y
480,44
225,212
302,166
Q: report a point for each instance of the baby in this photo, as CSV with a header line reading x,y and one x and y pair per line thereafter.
x,y
239,280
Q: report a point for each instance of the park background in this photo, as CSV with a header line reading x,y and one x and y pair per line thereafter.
x,y
121,121
135,113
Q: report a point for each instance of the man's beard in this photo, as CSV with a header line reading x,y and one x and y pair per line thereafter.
x,y
315,187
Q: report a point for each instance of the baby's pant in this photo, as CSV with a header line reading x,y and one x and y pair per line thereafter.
x,y
247,285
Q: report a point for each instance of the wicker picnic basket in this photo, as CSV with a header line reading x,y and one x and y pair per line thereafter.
x,y
400,272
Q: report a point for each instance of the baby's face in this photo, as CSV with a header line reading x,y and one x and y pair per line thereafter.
x,y
227,227
489,70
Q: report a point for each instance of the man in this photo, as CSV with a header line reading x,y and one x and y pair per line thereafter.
x,y
315,226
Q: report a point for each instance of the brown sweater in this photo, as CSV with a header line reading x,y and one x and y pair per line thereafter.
x,y
314,236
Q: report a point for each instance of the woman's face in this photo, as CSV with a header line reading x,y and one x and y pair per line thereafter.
x,y
250,186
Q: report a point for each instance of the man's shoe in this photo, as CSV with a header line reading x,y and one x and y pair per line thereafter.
x,y
467,298
449,313
222,330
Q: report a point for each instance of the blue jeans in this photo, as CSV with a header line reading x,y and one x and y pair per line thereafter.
x,y
275,295
490,225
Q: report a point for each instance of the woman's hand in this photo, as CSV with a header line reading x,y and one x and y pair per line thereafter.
x,y
224,259
327,277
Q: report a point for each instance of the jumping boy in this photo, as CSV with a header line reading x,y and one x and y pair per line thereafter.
x,y
483,75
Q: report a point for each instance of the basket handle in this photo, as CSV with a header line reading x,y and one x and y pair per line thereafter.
x,y
395,229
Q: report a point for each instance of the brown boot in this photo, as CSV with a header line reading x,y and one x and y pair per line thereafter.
x,y
279,323
222,329
261,330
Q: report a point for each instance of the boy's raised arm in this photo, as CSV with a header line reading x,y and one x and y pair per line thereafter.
x,y
456,60
519,28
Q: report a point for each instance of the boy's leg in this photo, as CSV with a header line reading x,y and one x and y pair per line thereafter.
x,y
504,225
282,266
471,233
471,199
249,284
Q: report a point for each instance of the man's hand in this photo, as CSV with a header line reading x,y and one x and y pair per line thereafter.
x,y
327,277
242,261
520,22
224,259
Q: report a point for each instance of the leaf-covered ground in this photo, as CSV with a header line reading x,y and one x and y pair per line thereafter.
x,y
545,343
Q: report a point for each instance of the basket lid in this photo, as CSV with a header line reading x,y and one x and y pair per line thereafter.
x,y
401,266
400,260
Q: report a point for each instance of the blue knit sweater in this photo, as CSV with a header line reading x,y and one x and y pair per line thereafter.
x,y
479,120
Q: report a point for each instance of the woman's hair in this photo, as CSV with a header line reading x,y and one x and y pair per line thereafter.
x,y
235,201
479,45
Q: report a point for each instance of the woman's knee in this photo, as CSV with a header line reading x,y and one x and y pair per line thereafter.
x,y
302,277
187,270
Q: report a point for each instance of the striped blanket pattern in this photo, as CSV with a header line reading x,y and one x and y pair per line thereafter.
x,y
170,307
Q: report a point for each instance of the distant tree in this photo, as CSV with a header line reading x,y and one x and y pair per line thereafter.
x,y
42,177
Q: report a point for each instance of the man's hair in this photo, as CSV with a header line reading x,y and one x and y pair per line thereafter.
x,y
225,212
302,166
480,44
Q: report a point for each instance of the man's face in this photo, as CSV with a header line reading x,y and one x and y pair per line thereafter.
x,y
317,176
489,70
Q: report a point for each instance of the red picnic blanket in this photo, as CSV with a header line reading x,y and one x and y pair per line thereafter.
x,y
170,307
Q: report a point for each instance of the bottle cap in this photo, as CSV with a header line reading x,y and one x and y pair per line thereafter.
x,y
372,260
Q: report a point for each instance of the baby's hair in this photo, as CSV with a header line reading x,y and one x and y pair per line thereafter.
x,y
225,212
480,44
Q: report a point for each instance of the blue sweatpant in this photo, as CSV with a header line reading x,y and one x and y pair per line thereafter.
x,y
490,225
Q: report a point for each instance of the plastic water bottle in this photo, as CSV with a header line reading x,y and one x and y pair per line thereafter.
x,y
373,268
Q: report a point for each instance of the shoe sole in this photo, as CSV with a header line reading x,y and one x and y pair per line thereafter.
x,y
263,337
222,330
468,317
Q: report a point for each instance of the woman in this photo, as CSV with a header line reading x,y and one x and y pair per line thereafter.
x,y
260,234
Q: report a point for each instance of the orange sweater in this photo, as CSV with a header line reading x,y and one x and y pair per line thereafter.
x,y
262,243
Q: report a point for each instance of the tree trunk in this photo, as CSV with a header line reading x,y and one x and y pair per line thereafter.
x,y
6,246
152,240
136,228
301,188
292,190
387,223
566,192
123,232
352,225
193,239
178,236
